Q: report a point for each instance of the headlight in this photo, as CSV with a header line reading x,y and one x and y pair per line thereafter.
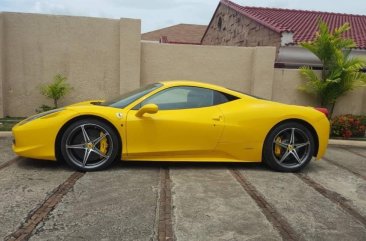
x,y
40,115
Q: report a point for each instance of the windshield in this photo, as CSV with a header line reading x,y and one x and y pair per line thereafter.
x,y
127,98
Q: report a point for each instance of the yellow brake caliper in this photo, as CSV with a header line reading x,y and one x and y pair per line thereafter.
x,y
103,144
277,149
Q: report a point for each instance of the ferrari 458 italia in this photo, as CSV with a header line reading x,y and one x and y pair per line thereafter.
x,y
176,121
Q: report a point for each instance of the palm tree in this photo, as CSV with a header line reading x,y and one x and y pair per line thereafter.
x,y
340,72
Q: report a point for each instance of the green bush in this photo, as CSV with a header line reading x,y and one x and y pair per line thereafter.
x,y
347,126
57,89
44,108
7,123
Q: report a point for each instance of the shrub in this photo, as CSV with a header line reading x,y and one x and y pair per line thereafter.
x,y
44,108
347,126
57,89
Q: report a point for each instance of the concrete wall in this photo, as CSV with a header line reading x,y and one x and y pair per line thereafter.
x,y
2,62
37,47
103,58
238,30
285,90
229,66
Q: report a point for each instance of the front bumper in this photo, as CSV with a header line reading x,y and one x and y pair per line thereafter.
x,y
37,138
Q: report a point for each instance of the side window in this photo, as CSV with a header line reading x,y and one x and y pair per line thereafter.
x,y
186,97
221,98
182,98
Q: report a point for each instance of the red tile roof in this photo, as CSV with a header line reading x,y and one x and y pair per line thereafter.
x,y
303,24
180,33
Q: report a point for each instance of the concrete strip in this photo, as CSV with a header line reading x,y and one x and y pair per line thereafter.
x,y
10,162
309,213
38,215
272,215
5,133
349,143
351,187
23,188
6,153
345,158
358,151
117,204
211,205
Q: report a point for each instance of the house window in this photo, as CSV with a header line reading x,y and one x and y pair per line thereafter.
x,y
219,24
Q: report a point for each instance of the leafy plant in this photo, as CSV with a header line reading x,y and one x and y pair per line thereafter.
x,y
44,108
7,123
347,126
340,72
57,89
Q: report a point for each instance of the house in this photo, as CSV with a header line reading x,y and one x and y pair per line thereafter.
x,y
180,33
236,25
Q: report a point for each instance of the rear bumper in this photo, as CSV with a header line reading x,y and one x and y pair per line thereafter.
x,y
322,127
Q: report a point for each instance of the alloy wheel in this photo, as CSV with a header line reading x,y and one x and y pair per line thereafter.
x,y
89,146
291,147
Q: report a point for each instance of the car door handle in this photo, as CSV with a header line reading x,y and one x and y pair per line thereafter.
x,y
217,118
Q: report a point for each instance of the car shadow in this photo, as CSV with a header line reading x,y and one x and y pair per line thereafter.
x,y
29,164
186,165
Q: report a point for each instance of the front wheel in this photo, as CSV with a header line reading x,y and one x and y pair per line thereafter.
x,y
89,145
289,147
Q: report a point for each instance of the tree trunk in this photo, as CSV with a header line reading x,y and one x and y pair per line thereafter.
x,y
322,102
331,110
55,103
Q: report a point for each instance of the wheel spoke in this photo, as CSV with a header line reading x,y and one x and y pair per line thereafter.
x,y
86,156
96,141
294,153
284,156
297,146
85,134
281,144
292,138
77,146
97,151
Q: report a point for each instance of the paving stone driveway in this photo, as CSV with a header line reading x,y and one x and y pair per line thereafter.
x,y
41,200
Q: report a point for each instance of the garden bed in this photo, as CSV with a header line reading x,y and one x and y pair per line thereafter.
x,y
7,123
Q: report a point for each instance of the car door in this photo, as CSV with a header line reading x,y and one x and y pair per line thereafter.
x,y
187,121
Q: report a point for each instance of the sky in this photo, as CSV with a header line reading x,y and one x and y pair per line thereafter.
x,y
157,14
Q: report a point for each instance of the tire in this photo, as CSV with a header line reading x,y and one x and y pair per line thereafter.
x,y
89,145
289,147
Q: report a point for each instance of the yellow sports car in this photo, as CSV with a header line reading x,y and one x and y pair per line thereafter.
x,y
176,121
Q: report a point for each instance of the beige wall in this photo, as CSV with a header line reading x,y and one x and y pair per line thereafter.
x,y
103,58
229,66
2,74
86,50
130,54
285,89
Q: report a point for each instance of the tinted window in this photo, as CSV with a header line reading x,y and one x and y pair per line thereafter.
x,y
186,97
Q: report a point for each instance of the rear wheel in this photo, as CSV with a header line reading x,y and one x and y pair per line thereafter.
x,y
89,145
289,147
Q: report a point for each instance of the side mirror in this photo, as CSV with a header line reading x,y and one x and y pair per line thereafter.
x,y
148,108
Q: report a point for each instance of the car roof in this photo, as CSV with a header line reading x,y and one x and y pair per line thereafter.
x,y
196,84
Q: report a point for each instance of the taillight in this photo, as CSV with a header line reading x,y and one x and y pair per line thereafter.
x,y
324,111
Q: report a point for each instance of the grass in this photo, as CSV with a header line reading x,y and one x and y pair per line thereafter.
x,y
8,122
